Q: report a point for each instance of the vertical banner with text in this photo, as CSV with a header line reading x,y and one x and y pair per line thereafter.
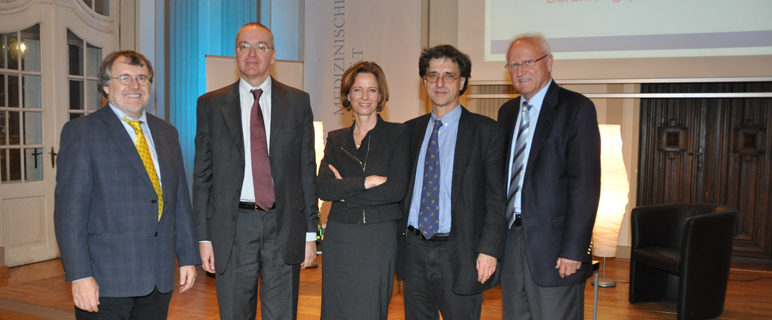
x,y
339,33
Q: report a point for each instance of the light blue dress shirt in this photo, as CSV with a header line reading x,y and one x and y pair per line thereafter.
x,y
447,140
536,102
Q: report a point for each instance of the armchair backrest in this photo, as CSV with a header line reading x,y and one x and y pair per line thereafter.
x,y
707,239
664,225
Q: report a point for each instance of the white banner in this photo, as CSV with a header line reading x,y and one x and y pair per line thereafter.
x,y
340,33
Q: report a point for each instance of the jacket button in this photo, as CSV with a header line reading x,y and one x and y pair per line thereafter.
x,y
156,234
153,201
233,217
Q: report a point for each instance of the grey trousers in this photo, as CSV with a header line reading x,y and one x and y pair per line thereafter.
x,y
522,298
255,255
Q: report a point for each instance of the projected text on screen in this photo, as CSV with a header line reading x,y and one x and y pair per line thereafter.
x,y
602,29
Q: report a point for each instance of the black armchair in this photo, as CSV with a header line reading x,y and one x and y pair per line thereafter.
x,y
682,252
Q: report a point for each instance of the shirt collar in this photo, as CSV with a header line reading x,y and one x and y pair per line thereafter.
x,y
537,99
450,117
244,86
121,115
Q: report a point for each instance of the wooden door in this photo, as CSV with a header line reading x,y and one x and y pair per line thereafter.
x,y
714,151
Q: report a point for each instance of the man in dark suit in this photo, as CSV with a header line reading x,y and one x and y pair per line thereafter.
x,y
553,173
122,210
253,187
455,202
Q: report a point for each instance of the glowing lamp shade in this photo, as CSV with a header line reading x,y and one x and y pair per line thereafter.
x,y
613,192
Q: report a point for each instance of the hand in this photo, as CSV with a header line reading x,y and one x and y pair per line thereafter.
x,y
374,181
187,277
85,294
486,266
207,256
334,171
567,266
310,254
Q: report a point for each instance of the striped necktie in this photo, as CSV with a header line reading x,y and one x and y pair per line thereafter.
x,y
429,212
147,160
518,161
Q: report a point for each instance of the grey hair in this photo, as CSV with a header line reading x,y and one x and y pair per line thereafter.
x,y
536,36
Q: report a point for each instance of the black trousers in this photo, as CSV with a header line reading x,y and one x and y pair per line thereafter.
x,y
149,307
429,284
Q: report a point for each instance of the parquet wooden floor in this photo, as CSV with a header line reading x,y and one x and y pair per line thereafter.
x,y
38,291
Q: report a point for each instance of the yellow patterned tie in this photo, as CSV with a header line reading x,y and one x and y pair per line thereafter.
x,y
147,160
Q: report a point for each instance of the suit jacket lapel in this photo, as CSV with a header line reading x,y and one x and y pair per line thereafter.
x,y
164,158
415,151
118,132
279,105
543,125
231,112
509,122
461,157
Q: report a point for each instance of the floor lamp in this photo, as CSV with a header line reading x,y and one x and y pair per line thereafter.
x,y
613,198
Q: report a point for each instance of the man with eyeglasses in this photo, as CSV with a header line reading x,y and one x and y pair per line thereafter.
x,y
254,194
553,188
122,210
454,227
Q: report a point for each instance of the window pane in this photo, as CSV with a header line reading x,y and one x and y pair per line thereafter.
x,y
33,128
3,167
11,51
75,115
93,95
3,50
13,128
2,90
14,155
93,60
34,164
31,92
13,91
30,48
3,128
75,50
102,7
76,95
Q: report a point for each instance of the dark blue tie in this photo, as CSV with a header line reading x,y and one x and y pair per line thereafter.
x,y
429,213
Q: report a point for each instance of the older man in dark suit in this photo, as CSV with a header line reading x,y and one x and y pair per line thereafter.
x,y
455,202
122,210
253,185
553,172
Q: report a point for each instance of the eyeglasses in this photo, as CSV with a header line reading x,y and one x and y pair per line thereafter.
x,y
260,47
126,79
525,64
447,78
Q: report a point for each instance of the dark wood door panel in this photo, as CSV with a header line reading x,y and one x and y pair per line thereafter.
x,y
711,150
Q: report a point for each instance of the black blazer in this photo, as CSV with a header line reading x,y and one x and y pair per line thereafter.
x,y
219,169
477,199
383,152
561,187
